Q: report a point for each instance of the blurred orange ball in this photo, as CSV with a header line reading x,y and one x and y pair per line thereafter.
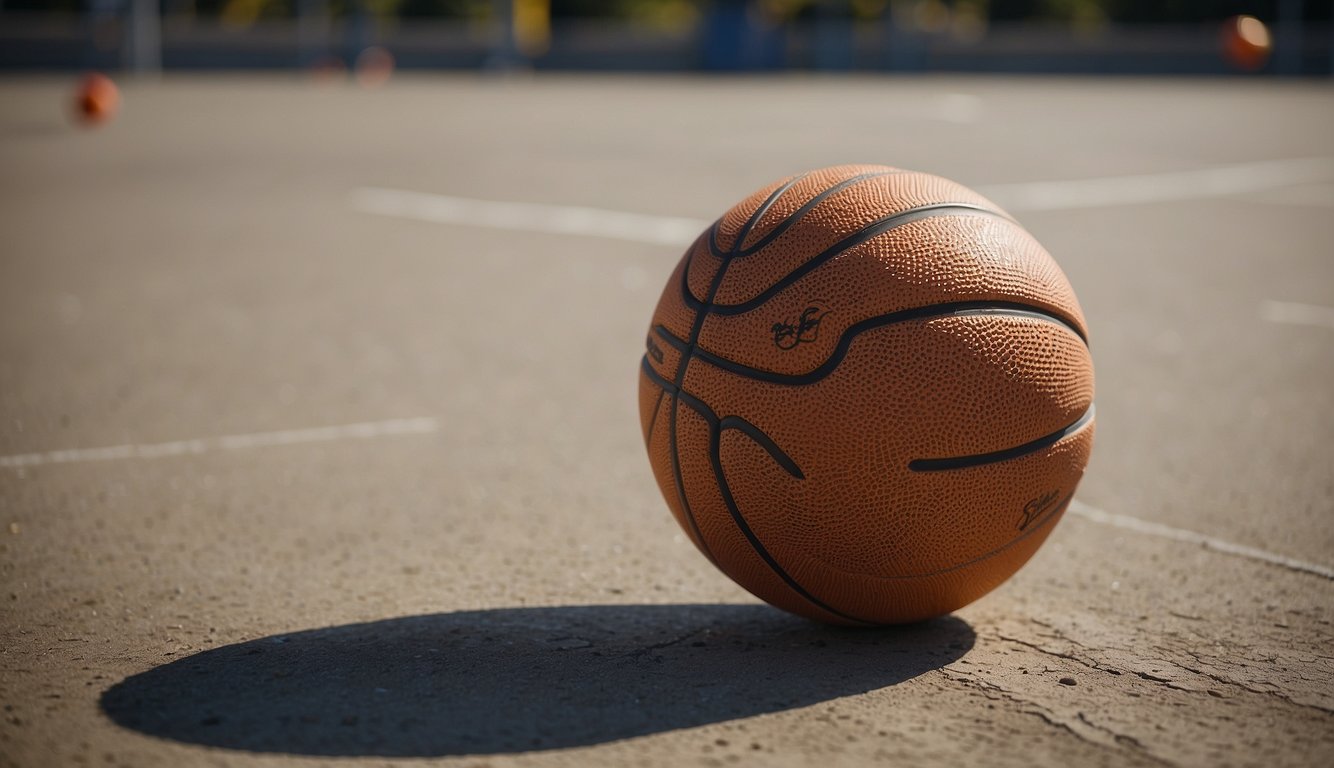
x,y
374,67
96,99
1246,43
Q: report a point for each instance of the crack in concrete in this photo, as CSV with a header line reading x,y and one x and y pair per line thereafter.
x,y
1166,659
1120,738
993,692
638,652
1048,651
1278,694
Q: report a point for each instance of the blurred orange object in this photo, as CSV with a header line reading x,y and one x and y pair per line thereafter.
x,y
374,67
1246,42
96,100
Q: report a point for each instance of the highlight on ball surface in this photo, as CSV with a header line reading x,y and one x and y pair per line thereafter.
x,y
867,395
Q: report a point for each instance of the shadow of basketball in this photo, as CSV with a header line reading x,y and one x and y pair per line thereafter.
x,y
517,679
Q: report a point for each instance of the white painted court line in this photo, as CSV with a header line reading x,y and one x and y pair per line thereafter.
x,y
1315,195
427,424
1294,313
414,426
1190,537
1219,181
529,217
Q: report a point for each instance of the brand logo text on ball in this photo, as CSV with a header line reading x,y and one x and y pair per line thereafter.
x,y
1034,509
804,328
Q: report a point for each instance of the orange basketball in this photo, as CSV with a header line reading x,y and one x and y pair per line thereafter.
x,y
1246,42
867,395
374,67
96,99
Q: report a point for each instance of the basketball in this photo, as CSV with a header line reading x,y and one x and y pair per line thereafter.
x,y
867,395
96,99
1247,43
374,67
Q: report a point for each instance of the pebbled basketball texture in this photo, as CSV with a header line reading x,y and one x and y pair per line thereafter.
x,y
867,395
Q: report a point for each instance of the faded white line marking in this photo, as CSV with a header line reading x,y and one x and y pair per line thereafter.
x,y
415,426
1316,195
529,217
679,231
1190,537
1201,183
1293,313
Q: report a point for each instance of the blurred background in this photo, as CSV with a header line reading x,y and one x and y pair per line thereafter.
x,y
1269,37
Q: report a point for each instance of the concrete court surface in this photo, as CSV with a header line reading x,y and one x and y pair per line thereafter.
x,y
483,572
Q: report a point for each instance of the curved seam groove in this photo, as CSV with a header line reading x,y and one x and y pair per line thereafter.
x,y
695,403
701,314
1008,309
764,441
715,457
667,386
874,229
751,221
993,457
928,312
674,341
678,395
653,422
801,212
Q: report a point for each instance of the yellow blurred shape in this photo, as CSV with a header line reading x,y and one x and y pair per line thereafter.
x,y
931,16
969,24
776,11
241,13
675,15
868,9
532,26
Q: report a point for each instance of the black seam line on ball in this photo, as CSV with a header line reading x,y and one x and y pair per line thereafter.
x,y
688,296
715,457
993,457
750,222
716,427
679,395
717,280
796,216
673,341
765,442
929,312
701,313
667,386
695,403
874,229
653,422
702,306
1014,309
